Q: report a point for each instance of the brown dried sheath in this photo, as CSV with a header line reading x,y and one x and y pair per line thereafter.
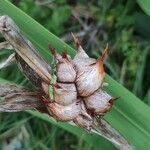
x,y
29,72
24,48
16,98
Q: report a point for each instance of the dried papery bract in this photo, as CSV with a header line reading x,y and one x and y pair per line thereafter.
x,y
65,94
90,79
6,89
65,69
16,98
24,48
5,45
65,113
90,73
99,102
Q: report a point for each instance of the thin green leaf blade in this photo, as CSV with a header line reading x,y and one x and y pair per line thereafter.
x,y
145,5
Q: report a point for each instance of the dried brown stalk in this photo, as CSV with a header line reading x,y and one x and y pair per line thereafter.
x,y
24,48
15,98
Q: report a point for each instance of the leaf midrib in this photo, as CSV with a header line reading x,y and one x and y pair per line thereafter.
x,y
132,121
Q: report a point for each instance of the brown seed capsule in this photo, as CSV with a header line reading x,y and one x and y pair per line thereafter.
x,y
90,72
90,78
65,94
65,113
65,68
99,102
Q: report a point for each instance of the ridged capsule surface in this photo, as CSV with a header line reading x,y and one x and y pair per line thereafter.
x,y
65,94
65,113
99,102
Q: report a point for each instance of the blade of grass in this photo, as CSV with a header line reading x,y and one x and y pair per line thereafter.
x,y
130,116
145,5
138,85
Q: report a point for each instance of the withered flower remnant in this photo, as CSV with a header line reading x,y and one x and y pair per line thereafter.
x,y
78,96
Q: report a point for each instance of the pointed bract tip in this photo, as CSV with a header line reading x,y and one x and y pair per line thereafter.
x,y
52,49
64,53
76,40
111,101
105,53
115,98
45,101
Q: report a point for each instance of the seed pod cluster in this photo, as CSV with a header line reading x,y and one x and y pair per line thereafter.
x,y
78,94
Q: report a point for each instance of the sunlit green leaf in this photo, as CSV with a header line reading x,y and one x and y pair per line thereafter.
x,y
145,5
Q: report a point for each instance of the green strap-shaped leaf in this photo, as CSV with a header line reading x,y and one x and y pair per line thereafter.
x,y
130,116
145,5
